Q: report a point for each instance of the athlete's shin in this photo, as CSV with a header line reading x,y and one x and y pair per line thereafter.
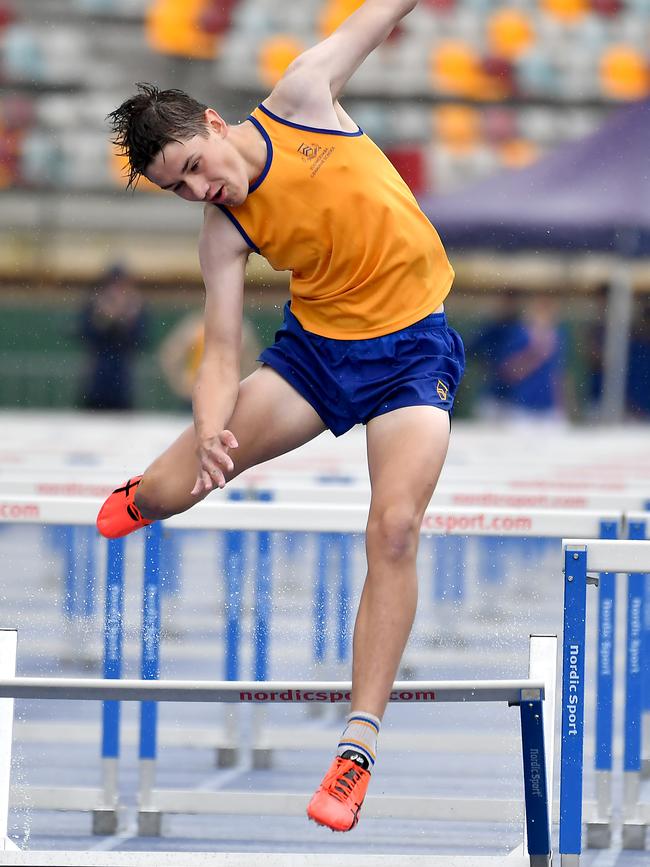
x,y
385,617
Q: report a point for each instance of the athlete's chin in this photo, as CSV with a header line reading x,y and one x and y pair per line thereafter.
x,y
237,198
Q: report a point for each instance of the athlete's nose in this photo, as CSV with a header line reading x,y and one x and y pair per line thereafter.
x,y
198,187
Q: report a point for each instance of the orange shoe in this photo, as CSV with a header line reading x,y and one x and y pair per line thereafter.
x,y
119,515
337,801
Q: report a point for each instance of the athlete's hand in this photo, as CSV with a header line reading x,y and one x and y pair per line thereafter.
x,y
215,461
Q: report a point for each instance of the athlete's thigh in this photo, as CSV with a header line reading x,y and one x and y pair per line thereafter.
x,y
406,451
269,419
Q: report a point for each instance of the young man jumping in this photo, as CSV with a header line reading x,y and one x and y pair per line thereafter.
x,y
364,339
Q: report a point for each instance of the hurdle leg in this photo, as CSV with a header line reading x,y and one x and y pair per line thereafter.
x,y
149,817
324,543
542,665
105,817
634,826
262,756
8,642
645,680
599,826
227,755
573,676
538,830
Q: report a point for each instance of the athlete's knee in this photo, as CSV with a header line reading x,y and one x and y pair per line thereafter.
x,y
157,500
393,531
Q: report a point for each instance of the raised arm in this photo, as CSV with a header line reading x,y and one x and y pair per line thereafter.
x,y
223,255
334,60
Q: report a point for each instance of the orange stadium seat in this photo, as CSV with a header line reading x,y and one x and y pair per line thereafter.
x,y
275,55
335,12
456,69
624,73
174,27
517,153
568,11
510,33
457,127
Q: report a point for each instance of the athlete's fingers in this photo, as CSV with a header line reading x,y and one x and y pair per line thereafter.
x,y
228,439
219,460
203,484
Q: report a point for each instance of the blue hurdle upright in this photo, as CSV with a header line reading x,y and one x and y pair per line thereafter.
x,y
583,561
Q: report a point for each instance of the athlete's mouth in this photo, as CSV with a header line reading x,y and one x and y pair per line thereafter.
x,y
218,196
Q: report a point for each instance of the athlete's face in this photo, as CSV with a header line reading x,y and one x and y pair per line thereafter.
x,y
202,169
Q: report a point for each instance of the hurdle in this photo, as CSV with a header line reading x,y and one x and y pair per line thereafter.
x,y
534,696
237,516
583,558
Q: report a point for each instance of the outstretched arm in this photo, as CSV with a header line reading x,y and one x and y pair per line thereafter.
x,y
223,256
334,60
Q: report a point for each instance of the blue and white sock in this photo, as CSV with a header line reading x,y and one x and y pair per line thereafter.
x,y
359,739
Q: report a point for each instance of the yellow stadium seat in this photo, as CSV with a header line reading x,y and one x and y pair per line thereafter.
x,y
510,33
456,69
334,13
172,27
517,153
275,55
566,10
458,127
624,73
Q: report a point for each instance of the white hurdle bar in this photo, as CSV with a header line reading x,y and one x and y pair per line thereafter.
x,y
583,560
530,695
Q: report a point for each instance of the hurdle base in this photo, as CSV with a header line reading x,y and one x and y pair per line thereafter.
x,y
104,822
634,834
149,823
645,769
226,757
262,759
599,834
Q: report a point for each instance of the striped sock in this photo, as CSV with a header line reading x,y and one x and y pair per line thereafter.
x,y
359,739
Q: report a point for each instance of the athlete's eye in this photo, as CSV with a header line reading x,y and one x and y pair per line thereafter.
x,y
195,166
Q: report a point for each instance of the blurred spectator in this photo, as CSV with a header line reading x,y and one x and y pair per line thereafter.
x,y
16,116
112,329
181,352
523,357
638,371
594,345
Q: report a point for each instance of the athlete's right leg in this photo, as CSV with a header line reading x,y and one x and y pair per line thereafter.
x,y
269,419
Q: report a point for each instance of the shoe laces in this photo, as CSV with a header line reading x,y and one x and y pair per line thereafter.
x,y
341,779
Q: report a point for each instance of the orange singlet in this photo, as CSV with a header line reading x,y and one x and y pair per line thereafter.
x,y
330,207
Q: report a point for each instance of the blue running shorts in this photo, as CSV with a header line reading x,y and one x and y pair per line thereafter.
x,y
349,382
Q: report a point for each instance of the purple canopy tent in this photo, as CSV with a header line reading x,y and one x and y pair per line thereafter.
x,y
592,194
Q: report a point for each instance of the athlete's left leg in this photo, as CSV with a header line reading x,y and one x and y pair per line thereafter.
x,y
406,452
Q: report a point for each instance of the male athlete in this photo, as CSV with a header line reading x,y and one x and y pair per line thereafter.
x,y
364,338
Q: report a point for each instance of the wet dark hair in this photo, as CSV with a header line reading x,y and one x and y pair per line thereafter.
x,y
148,121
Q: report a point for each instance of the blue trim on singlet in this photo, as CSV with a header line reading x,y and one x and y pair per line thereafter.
x,y
239,228
269,153
309,128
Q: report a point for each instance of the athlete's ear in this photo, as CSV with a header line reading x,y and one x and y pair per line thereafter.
x,y
215,122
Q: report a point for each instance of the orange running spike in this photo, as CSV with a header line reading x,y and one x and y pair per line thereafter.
x,y
119,515
339,797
